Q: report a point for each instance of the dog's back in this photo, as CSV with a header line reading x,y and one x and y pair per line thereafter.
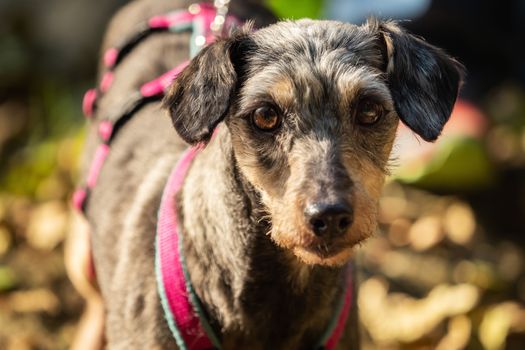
x,y
122,207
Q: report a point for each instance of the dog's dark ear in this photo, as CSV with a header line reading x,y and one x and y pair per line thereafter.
x,y
423,80
200,96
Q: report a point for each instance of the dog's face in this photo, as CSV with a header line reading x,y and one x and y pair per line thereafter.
x,y
312,108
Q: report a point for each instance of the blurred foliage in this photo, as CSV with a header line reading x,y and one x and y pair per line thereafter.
x,y
295,9
44,68
435,279
447,170
51,148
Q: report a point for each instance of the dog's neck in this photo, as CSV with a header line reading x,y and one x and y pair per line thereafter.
x,y
257,294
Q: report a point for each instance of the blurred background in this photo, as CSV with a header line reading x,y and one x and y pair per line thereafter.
x,y
447,269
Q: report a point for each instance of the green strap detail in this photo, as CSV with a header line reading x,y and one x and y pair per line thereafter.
x,y
198,30
195,301
164,302
333,322
183,27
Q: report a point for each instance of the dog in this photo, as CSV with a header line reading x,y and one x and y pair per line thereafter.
x,y
298,120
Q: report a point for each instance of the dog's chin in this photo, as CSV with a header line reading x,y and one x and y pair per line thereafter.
x,y
317,257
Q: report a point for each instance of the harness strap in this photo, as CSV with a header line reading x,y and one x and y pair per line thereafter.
x,y
176,21
182,308
107,130
159,86
180,304
336,327
88,103
197,19
338,331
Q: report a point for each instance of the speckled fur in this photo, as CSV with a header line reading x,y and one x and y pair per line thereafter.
x,y
242,201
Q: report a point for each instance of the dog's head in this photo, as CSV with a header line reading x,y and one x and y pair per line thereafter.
x,y
312,108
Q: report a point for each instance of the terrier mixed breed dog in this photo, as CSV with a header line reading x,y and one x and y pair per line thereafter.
x,y
298,119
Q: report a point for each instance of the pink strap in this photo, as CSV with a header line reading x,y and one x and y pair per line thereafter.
x,y
88,103
178,17
100,156
166,21
110,57
338,331
106,81
79,196
173,278
159,85
206,16
177,296
105,129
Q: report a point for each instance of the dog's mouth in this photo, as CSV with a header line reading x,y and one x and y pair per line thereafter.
x,y
324,254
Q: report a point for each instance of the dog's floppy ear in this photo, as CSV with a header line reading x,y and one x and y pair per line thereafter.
x,y
200,96
423,80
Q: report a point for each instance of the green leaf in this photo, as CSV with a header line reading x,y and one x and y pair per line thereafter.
x,y
7,279
295,9
459,164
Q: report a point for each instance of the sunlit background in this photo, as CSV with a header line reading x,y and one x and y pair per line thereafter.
x,y
446,271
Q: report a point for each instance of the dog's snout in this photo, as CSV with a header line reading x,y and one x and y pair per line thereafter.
x,y
329,219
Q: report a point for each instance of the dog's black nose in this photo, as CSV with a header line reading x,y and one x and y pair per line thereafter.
x,y
329,219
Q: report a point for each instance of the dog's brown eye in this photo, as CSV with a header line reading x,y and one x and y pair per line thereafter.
x,y
266,118
369,112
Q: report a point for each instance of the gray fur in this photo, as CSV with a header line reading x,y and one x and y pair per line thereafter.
x,y
265,280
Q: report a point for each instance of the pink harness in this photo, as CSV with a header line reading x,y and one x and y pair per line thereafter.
x,y
182,309
197,19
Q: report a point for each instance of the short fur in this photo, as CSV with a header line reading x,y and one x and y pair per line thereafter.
x,y
265,279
